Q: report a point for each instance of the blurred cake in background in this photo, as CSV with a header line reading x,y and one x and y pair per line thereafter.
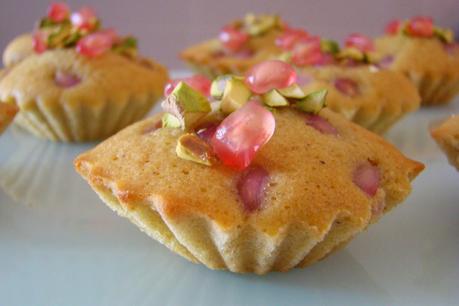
x,y
446,135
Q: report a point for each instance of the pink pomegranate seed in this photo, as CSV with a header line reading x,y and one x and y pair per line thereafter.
x,y
197,82
232,39
367,178
290,37
308,53
393,27
58,12
39,41
347,87
84,19
420,26
96,44
360,42
251,187
66,80
240,135
269,75
321,124
207,131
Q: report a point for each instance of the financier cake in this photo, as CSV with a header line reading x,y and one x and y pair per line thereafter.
x,y
447,137
426,53
247,184
7,113
81,82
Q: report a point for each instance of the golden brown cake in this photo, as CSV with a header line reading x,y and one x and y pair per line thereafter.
x,y
212,58
18,49
81,83
427,54
256,191
447,137
7,113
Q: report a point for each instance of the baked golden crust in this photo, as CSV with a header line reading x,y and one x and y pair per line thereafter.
x,y
113,92
311,205
384,96
429,63
7,113
447,137
209,57
18,49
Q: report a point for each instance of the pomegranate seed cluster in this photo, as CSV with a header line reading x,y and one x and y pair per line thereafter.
x,y
420,26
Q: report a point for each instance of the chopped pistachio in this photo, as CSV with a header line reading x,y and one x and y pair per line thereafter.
x,y
235,95
285,57
170,121
329,46
187,105
218,86
313,102
273,98
445,35
58,36
352,53
258,25
191,147
294,91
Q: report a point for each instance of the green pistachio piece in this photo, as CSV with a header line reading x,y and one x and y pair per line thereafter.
x,y
445,35
329,46
285,57
191,147
273,98
128,46
258,25
294,91
235,95
313,102
170,121
187,105
58,36
352,53
218,86
72,39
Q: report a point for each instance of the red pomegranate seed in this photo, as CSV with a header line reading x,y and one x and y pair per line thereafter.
x,y
97,43
367,178
269,75
420,26
290,37
240,135
308,53
197,82
233,39
207,131
393,27
58,12
84,19
360,42
66,80
39,41
347,87
251,187
321,124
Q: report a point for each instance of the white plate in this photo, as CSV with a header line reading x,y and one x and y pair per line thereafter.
x,y
60,245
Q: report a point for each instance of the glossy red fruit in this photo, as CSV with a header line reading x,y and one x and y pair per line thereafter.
x,y
197,82
347,87
308,53
58,12
367,178
321,124
360,42
39,41
84,19
393,27
97,43
240,135
66,80
420,26
290,37
233,39
268,75
207,131
251,187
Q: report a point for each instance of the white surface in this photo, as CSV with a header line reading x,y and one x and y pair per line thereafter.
x,y
60,245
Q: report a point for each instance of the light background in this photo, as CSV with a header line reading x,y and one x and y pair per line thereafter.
x,y
165,27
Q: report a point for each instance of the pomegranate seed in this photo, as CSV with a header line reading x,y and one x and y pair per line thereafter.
x,y
393,27
308,53
84,19
197,82
420,26
347,87
251,187
269,75
360,42
232,39
290,37
39,41
97,43
207,131
240,135
58,12
66,80
321,124
367,178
